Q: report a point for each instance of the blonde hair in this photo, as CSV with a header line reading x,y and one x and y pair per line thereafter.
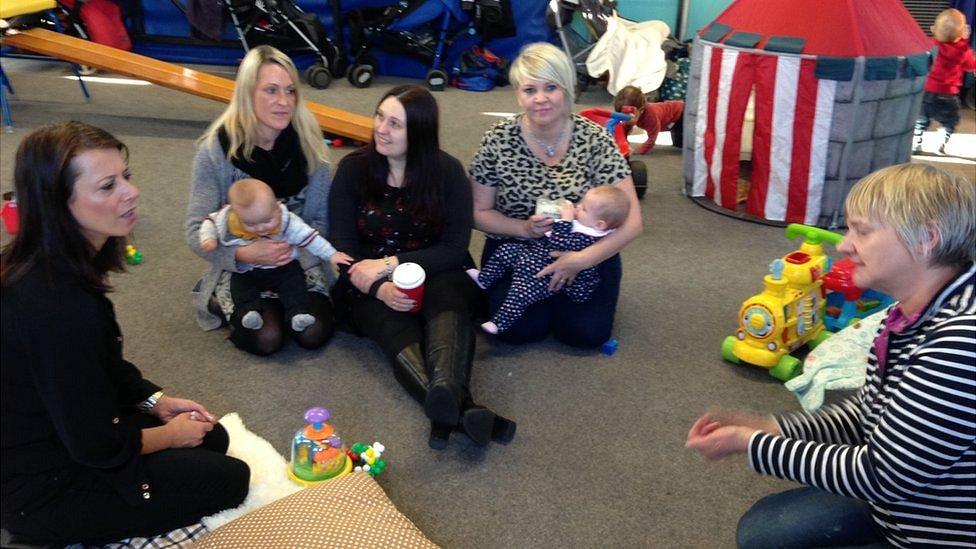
x,y
241,124
543,61
950,25
915,199
246,192
612,205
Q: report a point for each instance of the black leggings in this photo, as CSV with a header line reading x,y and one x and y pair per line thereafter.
x,y
393,330
189,484
271,336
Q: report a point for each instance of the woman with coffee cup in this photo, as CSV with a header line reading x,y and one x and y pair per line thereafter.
x,y
401,200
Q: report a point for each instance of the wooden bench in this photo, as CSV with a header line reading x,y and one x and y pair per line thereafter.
x,y
168,75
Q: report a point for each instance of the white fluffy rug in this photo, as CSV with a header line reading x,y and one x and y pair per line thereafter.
x,y
269,479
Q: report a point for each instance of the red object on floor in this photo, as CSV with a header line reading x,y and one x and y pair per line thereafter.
x,y
103,21
602,117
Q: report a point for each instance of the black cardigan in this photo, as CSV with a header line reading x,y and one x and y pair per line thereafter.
x,y
64,388
447,249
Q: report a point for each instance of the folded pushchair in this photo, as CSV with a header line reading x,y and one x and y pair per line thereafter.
x,y
596,15
277,23
282,24
415,28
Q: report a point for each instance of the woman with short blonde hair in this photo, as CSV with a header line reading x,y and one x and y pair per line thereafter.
x,y
893,464
547,152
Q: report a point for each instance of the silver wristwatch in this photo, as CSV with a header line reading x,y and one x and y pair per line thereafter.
x,y
146,406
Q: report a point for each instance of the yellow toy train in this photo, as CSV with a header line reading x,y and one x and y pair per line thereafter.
x,y
789,313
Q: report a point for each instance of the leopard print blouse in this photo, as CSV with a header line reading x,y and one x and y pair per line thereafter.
x,y
505,162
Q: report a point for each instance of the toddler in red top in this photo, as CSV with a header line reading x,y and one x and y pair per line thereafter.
x,y
940,101
650,117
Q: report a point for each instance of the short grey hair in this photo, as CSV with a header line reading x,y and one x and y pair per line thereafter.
x,y
543,61
914,199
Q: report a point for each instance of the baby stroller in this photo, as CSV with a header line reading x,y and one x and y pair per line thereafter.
x,y
282,24
418,28
596,16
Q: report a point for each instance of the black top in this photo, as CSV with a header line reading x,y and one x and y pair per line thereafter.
x,y
366,230
64,387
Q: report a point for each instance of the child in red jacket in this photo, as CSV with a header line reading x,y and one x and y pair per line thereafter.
x,y
651,117
941,98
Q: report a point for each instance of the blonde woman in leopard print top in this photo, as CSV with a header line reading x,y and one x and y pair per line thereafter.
x,y
547,152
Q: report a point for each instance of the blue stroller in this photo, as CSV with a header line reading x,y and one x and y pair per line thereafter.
x,y
417,28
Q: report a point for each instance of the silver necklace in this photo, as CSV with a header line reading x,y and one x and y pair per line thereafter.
x,y
550,149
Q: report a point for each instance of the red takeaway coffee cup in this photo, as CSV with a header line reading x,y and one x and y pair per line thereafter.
x,y
409,279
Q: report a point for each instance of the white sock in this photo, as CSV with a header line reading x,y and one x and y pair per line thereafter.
x,y
490,327
474,273
252,321
301,321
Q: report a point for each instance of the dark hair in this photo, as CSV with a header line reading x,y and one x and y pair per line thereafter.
x,y
44,179
422,179
629,95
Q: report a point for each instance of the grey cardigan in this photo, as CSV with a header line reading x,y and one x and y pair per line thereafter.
x,y
213,174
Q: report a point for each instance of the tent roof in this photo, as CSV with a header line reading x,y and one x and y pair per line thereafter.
x,y
840,28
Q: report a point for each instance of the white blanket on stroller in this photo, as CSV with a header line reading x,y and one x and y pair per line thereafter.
x,y
632,53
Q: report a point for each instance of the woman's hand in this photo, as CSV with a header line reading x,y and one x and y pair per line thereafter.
x,y
187,430
264,252
168,408
536,226
563,270
364,273
722,433
394,298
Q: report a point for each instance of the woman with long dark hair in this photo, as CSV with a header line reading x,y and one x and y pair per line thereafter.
x,y
402,199
92,452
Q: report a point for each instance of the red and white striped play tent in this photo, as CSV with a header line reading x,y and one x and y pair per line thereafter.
x,y
837,85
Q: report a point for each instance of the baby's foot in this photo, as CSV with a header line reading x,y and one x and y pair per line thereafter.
x,y
474,274
301,321
252,321
490,327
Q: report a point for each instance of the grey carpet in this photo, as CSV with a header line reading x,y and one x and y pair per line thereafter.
x,y
598,460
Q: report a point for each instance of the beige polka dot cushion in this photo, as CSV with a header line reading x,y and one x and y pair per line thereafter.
x,y
350,511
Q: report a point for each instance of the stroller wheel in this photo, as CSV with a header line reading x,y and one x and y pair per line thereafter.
x,y
639,171
436,79
361,76
318,77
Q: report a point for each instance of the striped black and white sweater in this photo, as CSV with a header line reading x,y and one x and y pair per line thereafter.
x,y
905,442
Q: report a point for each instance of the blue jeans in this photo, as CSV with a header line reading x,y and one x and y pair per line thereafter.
x,y
586,325
808,517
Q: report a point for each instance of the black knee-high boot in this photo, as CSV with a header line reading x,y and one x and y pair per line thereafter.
x,y
450,354
410,371
478,422
449,351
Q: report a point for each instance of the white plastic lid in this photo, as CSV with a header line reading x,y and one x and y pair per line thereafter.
x,y
408,276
